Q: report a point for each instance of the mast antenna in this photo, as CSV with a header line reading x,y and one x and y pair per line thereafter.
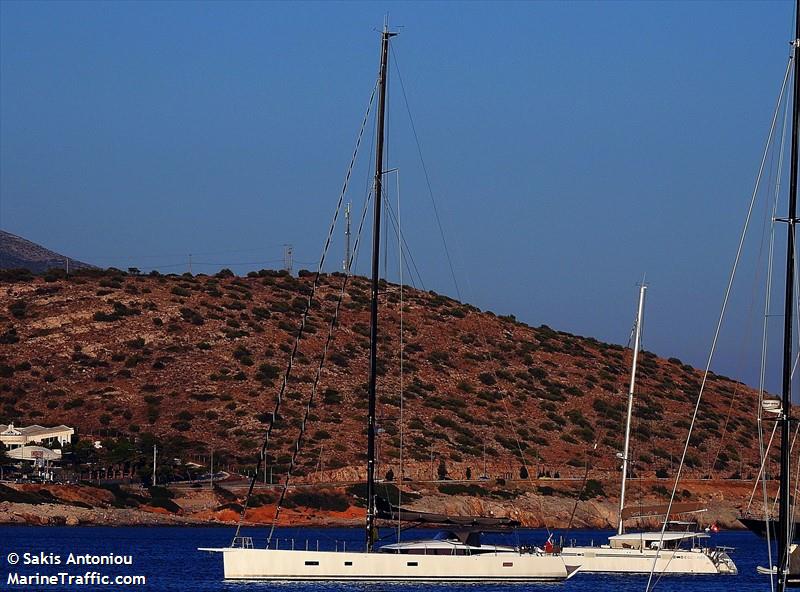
x,y
288,256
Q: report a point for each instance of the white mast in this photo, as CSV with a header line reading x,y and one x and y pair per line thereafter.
x,y
626,451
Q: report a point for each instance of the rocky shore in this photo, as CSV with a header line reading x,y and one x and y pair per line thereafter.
x,y
533,506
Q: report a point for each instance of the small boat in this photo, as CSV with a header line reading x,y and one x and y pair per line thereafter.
x,y
454,555
671,552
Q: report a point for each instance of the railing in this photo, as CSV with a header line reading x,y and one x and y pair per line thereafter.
x,y
289,544
242,542
339,546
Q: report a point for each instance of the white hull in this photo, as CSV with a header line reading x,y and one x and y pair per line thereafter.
x,y
286,565
683,561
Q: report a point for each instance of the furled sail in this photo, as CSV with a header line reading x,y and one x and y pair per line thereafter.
x,y
388,511
661,510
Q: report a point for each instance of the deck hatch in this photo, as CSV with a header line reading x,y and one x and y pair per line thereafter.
x,y
312,562
412,564
508,564
348,563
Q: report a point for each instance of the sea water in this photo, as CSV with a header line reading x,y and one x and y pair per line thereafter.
x,y
35,558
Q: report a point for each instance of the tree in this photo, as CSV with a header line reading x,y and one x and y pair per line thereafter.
x,y
390,475
4,460
469,474
523,472
442,470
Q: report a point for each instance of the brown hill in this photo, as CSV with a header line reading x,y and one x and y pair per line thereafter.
x,y
198,361
19,253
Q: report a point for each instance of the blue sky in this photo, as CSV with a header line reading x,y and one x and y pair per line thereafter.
x,y
571,147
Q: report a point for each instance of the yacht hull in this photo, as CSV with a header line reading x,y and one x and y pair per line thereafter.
x,y
287,565
607,560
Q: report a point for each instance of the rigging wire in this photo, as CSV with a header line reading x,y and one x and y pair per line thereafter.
x,y
315,386
425,172
395,227
304,317
769,221
765,327
447,254
720,320
402,424
762,469
514,430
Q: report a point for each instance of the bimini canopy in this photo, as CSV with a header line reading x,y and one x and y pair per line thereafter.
x,y
652,540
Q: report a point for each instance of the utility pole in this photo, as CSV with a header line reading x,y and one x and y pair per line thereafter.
x,y
319,461
287,258
66,261
484,459
190,264
347,254
155,456
212,469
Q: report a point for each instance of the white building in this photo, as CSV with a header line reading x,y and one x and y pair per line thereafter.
x,y
14,437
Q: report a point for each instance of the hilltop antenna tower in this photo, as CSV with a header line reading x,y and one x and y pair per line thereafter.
x,y
347,253
288,256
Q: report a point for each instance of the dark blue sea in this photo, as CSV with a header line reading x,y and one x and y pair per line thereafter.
x,y
169,559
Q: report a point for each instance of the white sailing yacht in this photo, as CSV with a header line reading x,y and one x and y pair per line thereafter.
x,y
675,551
455,555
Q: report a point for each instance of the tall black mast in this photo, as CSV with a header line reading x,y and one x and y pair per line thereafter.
x,y
376,243
785,418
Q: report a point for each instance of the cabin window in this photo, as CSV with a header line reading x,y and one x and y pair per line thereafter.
x,y
508,564
348,563
411,564
312,562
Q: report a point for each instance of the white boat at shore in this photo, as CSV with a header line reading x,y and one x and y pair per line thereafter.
x,y
668,552
675,552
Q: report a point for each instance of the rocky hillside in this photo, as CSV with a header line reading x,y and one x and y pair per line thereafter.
x,y
19,253
198,361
